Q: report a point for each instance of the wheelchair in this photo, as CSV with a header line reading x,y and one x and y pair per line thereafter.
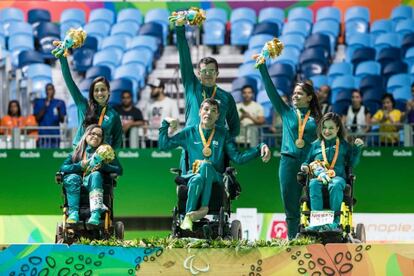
x,y
70,233
219,208
346,233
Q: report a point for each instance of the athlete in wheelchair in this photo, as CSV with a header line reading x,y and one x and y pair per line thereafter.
x,y
327,201
88,177
202,191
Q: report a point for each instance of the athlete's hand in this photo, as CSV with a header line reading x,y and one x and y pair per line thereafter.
x,y
172,122
265,153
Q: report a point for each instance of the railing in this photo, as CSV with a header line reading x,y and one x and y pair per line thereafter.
x,y
32,137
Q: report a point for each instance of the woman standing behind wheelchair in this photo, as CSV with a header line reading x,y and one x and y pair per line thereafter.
x,y
79,171
96,109
334,153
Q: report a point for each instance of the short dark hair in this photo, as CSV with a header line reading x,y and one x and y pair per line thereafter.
x,y
247,86
207,60
211,101
390,97
126,92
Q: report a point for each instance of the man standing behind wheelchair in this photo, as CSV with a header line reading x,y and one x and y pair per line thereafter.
x,y
326,162
207,144
80,168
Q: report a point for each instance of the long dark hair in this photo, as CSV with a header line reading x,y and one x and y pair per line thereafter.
x,y
314,103
81,147
92,115
336,118
19,110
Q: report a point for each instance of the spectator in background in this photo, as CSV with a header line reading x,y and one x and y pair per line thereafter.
x,y
410,107
159,108
14,119
358,118
130,115
388,118
49,112
250,114
323,95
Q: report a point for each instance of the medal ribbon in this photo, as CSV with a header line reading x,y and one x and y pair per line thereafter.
x,y
213,95
332,165
302,123
101,117
207,143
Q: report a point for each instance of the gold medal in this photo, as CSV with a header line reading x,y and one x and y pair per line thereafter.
x,y
300,143
331,173
207,152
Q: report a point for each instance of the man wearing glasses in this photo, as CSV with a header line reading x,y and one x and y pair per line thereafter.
x,y
203,85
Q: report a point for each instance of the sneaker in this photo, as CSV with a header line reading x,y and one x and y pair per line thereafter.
x,y
187,223
95,218
73,217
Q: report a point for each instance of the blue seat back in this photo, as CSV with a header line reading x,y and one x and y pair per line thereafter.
x,y
395,67
73,15
259,40
398,80
128,28
319,81
241,32
401,12
46,29
154,29
272,14
368,68
102,15
362,54
129,15
280,69
243,14
27,57
117,41
296,27
339,69
38,15
21,28
293,40
145,41
301,14
387,40
405,26
83,59
240,82
319,40
328,13
98,71
380,26
216,34
216,14
388,55
371,82
266,28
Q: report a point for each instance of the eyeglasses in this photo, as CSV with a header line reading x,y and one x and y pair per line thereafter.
x,y
208,71
99,135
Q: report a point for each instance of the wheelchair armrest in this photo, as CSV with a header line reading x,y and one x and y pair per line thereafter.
x,y
231,170
59,177
302,178
176,171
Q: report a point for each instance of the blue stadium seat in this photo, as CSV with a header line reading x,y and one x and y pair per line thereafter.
x,y
296,27
90,43
392,68
117,41
282,70
248,70
262,97
319,81
72,115
355,27
84,87
159,16
330,28
397,81
339,69
102,15
301,14
371,82
216,14
216,33
405,26
243,14
142,56
47,32
98,30
117,87
409,57
127,28
241,32
27,57
319,40
237,96
145,41
259,40
380,26
272,14
66,26
356,41
368,68
387,40
134,72
401,12
40,75
2,38
342,102
289,56
371,98
357,13
340,83
83,58
35,16
98,71
388,55
153,29
407,42
314,53
240,82
21,28
362,54
328,13
129,15
266,28
110,57
283,84
401,96
10,16
248,55
73,15
293,40
18,43
312,62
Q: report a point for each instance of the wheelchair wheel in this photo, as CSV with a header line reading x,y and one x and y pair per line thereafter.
x,y
360,232
221,223
175,222
236,230
119,230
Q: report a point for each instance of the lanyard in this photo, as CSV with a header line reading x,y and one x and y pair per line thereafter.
x,y
332,165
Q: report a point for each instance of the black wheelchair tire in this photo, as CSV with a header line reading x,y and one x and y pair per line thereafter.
x,y
236,230
360,232
119,230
